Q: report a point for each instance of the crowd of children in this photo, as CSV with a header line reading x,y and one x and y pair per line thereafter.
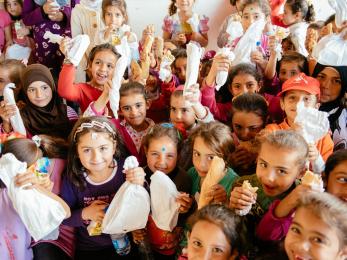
x,y
253,180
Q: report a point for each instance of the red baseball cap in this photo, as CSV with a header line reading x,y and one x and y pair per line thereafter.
x,y
302,82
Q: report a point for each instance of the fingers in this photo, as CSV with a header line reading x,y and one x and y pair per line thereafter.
x,y
185,202
241,198
26,179
135,175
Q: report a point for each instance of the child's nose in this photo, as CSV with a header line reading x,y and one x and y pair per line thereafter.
x,y
38,93
95,156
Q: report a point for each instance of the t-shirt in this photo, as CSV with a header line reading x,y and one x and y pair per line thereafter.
x,y
5,20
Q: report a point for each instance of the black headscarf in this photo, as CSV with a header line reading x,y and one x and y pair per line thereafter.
x,y
339,101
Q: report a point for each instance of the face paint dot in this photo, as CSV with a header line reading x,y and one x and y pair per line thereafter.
x,y
94,135
163,149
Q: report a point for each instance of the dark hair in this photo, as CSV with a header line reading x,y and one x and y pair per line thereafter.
x,y
330,19
243,68
179,53
75,170
334,160
317,25
99,48
233,2
131,88
251,103
221,216
293,56
15,68
306,9
161,130
54,147
20,2
24,149
120,4
172,7
264,6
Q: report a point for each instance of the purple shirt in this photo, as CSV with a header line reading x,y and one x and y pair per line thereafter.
x,y
77,200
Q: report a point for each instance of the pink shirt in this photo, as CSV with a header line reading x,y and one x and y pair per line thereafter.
x,y
5,20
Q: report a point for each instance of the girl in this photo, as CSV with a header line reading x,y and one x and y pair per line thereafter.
x,y
333,80
162,145
297,14
47,18
281,160
250,114
101,64
319,229
115,17
133,106
5,31
86,19
94,175
10,71
30,152
335,174
44,112
213,233
184,25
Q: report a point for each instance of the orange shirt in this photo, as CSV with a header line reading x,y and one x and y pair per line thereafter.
x,y
325,145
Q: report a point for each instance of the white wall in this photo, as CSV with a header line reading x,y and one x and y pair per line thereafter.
x,y
143,12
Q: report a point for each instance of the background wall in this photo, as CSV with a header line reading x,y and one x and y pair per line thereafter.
x,y
143,12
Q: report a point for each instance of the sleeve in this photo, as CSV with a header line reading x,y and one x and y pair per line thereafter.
x,y
203,27
7,19
68,194
223,36
167,88
71,114
76,20
208,99
66,88
271,228
325,147
208,118
33,14
168,24
91,111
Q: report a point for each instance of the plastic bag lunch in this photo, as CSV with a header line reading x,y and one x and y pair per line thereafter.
x,y
222,76
163,201
40,210
17,52
194,54
314,123
340,7
129,208
248,42
16,120
79,45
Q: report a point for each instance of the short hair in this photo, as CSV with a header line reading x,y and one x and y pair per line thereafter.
x,y
120,4
334,160
131,88
293,56
263,4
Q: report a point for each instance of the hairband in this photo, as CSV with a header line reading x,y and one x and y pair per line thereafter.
x,y
92,124
170,125
37,140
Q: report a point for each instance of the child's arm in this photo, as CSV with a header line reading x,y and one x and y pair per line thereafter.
x,y
8,36
241,198
200,29
270,70
6,112
223,36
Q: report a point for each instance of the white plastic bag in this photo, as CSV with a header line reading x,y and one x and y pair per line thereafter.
x,y
79,46
248,42
40,213
340,7
128,210
163,201
235,30
194,54
121,65
16,120
222,76
17,52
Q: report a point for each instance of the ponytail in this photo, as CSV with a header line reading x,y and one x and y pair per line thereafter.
x,y
303,6
310,15
172,8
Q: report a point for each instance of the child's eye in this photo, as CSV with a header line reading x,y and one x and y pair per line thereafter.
x,y
262,164
196,154
173,109
170,156
256,17
295,230
237,86
238,127
154,154
337,81
342,180
293,73
197,243
319,76
138,105
126,108
110,66
250,85
318,240
86,150
45,87
281,172
185,110
104,148
210,157
217,250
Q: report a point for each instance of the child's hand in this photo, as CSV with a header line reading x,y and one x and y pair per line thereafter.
x,y
193,94
242,157
7,111
257,57
185,202
65,45
272,44
22,32
95,211
139,235
135,175
220,63
180,38
313,153
241,198
217,193
27,179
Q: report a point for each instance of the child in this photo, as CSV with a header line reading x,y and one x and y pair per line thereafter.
x,y
44,112
5,31
101,65
335,174
94,175
10,71
115,17
179,66
302,88
213,233
162,145
183,25
333,80
297,13
28,151
86,19
250,114
281,160
133,106
318,230
313,35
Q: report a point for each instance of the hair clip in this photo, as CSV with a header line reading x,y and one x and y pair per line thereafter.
x,y
37,140
103,125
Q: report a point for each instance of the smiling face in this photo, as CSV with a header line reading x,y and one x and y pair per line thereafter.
x,y
114,16
95,151
102,67
202,156
161,155
185,5
243,83
289,17
246,125
337,181
207,241
250,14
39,93
309,237
330,84
277,169
179,69
181,112
13,8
